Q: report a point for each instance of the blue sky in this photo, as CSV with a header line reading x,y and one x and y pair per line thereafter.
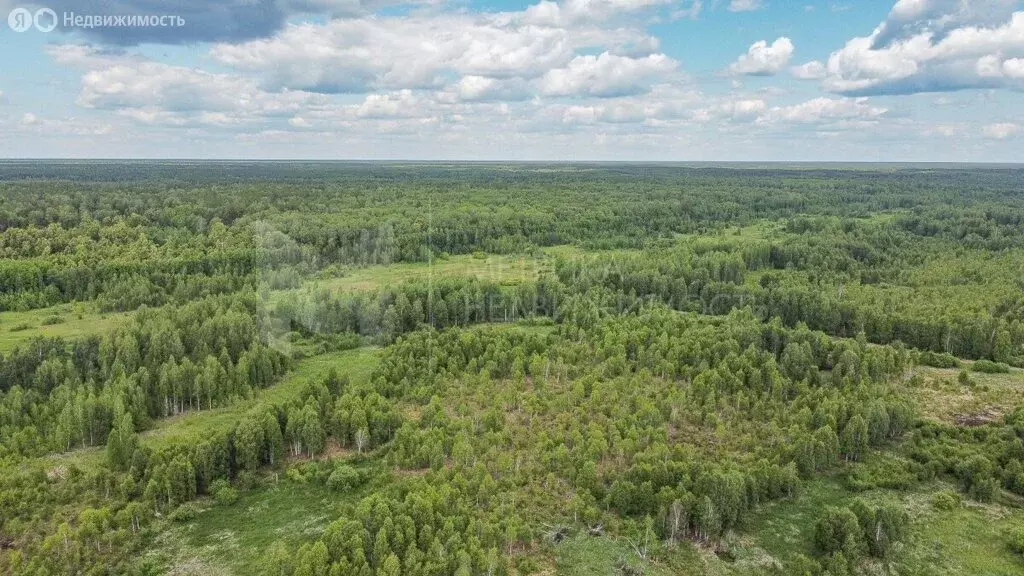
x,y
906,80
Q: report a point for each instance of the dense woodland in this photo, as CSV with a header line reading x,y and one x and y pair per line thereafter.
x,y
696,345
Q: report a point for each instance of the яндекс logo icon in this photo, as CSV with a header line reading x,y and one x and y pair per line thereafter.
x,y
20,19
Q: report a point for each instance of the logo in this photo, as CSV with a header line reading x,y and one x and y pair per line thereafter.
x,y
45,20
20,19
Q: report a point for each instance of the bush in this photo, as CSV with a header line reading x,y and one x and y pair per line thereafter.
x,y
1017,542
938,360
246,479
838,531
344,478
51,320
964,378
527,565
946,500
984,490
295,475
185,512
223,493
990,367
21,327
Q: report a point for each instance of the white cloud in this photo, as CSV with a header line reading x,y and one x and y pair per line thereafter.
x,y
571,12
744,109
422,51
813,70
745,5
605,75
909,18
482,88
763,59
944,130
691,11
820,110
1002,130
993,66
933,46
156,93
28,119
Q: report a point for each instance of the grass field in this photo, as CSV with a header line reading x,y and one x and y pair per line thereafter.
x,y
942,397
485,267
584,555
76,321
231,539
969,539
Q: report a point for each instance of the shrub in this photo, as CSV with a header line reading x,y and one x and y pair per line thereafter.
x,y
51,320
990,367
185,512
938,360
964,378
223,493
344,477
1017,542
295,475
839,531
945,500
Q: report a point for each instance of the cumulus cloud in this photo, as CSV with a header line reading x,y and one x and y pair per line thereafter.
x,y
358,55
153,92
813,70
605,75
744,109
993,66
763,59
938,18
482,88
820,110
570,12
933,46
1001,130
664,103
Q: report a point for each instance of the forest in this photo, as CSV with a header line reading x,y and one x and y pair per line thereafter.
x,y
382,369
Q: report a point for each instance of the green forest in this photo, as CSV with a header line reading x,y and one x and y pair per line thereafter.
x,y
383,369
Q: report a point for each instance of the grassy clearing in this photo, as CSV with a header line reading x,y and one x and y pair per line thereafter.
x,y
358,364
75,321
970,539
485,267
973,539
86,459
584,555
942,397
231,539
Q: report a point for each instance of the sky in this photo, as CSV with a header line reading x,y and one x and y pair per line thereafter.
x,y
565,80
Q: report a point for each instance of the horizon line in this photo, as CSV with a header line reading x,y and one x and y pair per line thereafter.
x,y
516,161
